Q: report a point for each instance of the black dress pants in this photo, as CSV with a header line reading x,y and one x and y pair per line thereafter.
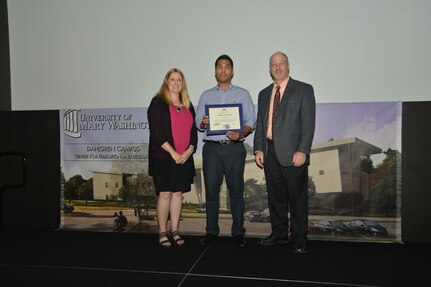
x,y
287,189
224,161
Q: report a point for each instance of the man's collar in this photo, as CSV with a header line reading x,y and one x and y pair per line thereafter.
x,y
228,88
283,83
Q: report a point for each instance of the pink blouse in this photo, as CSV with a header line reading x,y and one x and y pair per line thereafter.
x,y
181,122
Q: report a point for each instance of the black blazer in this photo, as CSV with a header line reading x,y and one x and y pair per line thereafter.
x,y
293,129
159,120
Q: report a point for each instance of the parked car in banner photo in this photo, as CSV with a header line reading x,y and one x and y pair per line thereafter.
x,y
253,216
332,227
265,215
368,227
68,208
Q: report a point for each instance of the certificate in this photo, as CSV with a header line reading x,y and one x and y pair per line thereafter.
x,y
224,118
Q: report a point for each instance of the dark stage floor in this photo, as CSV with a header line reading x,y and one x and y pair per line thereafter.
x,y
67,258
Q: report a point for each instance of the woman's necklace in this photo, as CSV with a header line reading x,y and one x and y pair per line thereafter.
x,y
179,107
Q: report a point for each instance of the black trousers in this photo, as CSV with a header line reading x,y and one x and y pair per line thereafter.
x,y
224,161
287,193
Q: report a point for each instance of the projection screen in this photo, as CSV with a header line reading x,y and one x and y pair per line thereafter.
x,y
110,53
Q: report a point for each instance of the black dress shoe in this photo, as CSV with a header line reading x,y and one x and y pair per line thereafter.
x,y
300,248
272,240
240,240
207,239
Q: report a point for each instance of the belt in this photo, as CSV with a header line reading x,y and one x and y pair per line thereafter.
x,y
223,142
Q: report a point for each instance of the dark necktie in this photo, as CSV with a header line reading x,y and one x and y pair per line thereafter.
x,y
276,102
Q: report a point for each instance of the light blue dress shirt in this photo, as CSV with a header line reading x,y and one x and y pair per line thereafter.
x,y
233,95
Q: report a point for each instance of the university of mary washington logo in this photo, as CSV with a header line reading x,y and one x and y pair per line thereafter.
x,y
70,123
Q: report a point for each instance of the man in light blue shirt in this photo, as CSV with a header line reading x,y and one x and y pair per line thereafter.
x,y
224,154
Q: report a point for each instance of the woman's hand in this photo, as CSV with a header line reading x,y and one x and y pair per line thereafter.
x,y
187,153
176,157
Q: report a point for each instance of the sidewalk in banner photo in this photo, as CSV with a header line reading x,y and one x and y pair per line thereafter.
x,y
193,223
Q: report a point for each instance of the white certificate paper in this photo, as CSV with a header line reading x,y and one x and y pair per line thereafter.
x,y
224,118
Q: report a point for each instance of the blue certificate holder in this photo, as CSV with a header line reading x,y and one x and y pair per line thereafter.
x,y
224,118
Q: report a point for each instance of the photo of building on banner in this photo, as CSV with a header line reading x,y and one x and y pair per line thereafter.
x,y
354,176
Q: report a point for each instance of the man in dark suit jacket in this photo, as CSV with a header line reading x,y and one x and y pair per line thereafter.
x,y
282,143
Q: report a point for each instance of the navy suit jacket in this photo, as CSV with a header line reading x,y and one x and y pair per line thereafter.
x,y
293,128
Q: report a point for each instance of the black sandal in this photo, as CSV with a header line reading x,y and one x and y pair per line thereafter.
x,y
178,238
163,243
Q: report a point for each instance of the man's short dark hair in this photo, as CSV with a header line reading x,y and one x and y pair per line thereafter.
x,y
224,57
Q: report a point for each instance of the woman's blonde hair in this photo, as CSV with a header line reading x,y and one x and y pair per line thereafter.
x,y
164,94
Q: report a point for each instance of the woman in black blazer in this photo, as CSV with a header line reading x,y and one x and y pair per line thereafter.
x,y
173,140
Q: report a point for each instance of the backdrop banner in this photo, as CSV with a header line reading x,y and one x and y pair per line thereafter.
x,y
354,175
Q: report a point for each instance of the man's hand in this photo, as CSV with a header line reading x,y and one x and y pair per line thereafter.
x,y
298,158
235,136
204,122
258,157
